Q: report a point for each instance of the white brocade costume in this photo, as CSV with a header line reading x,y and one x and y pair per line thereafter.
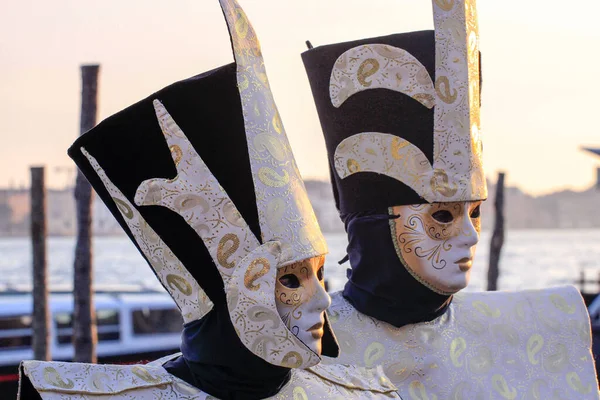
x,y
68,381
531,344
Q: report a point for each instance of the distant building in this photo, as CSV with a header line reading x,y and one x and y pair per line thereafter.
x,y
60,208
566,209
61,217
14,212
103,222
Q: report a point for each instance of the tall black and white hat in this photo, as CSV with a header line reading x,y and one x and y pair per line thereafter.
x,y
400,113
202,178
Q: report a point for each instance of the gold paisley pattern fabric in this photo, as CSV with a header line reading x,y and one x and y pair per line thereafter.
x,y
251,303
376,66
248,269
456,173
196,195
181,285
63,380
284,211
73,381
532,344
457,139
388,155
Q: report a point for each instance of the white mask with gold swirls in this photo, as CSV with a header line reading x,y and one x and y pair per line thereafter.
x,y
301,300
436,242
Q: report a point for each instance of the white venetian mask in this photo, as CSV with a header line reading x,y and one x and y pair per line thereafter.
x,y
301,300
436,242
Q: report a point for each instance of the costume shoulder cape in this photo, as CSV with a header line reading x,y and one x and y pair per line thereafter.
x,y
63,380
533,344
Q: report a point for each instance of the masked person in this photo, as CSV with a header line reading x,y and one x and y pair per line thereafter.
x,y
201,177
400,116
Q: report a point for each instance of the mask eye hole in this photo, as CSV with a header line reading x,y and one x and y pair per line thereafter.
x,y
443,216
290,281
476,213
320,274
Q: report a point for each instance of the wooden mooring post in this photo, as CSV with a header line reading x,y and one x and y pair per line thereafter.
x,y
588,286
497,235
85,335
41,312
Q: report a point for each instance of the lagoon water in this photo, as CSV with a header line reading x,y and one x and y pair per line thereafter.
x,y
530,259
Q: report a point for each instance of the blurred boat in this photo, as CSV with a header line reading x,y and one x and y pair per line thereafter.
x,y
132,327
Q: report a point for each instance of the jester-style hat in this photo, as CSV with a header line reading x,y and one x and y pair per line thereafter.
x,y
400,113
201,177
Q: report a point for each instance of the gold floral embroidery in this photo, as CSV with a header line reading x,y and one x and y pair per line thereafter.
x,y
228,245
445,93
179,283
52,376
367,68
376,66
252,275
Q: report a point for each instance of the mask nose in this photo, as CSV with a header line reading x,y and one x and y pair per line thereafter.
x,y
469,235
321,300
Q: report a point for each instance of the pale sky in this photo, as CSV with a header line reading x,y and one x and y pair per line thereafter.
x,y
539,65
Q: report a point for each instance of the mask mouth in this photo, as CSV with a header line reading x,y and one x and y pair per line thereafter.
x,y
316,330
316,327
464,264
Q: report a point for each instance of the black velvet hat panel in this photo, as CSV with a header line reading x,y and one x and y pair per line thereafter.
x,y
131,148
374,110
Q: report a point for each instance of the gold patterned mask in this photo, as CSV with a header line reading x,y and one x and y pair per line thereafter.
x,y
301,300
436,242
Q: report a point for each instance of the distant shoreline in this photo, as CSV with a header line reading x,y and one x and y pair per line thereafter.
x,y
486,230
